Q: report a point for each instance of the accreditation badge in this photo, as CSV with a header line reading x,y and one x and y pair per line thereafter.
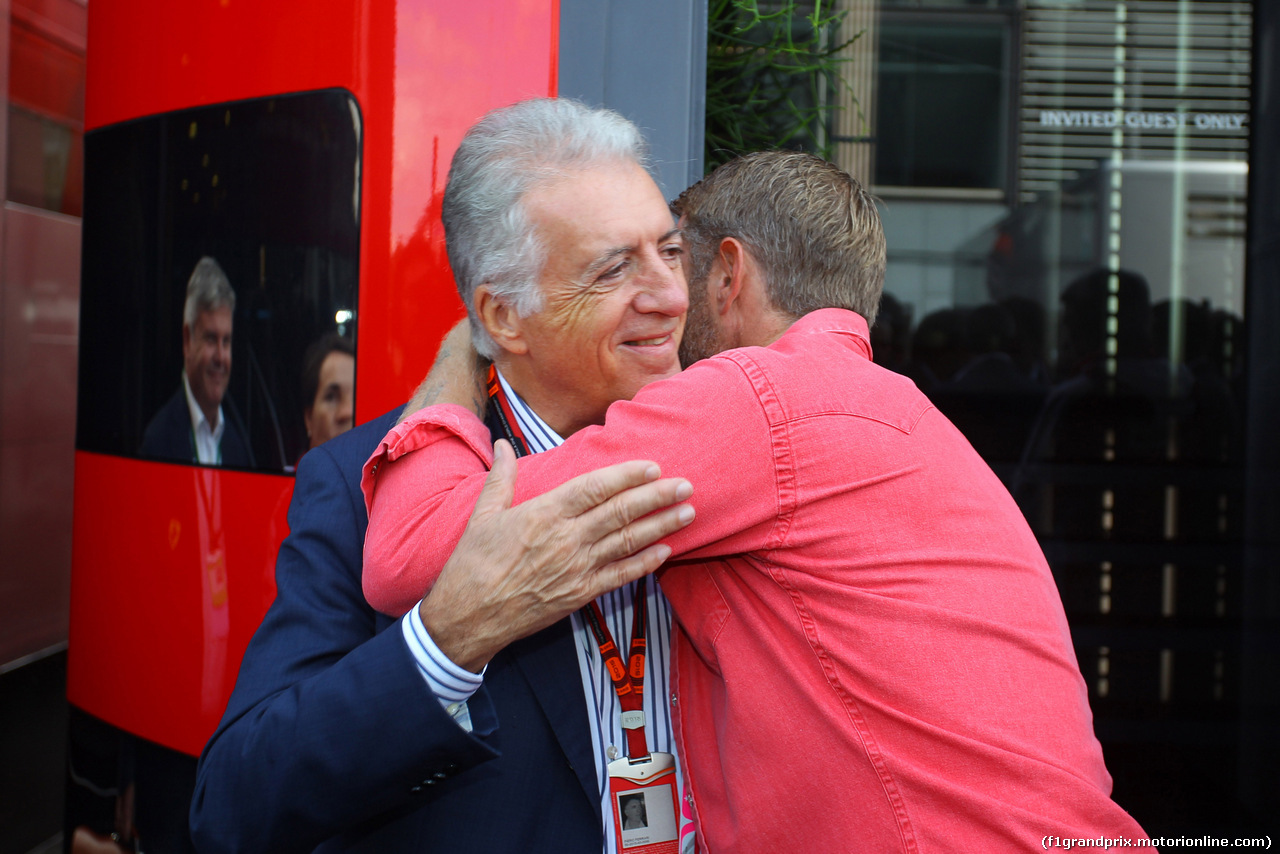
x,y
645,804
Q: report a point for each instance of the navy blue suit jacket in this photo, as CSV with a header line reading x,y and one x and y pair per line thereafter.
x,y
168,435
332,740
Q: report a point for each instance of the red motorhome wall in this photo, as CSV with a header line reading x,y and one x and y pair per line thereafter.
x,y
172,565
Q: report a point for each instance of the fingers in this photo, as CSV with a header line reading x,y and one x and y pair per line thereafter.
x,y
519,569
500,484
631,538
619,512
589,490
613,575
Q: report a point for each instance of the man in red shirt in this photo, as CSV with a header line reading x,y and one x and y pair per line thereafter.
x,y
872,654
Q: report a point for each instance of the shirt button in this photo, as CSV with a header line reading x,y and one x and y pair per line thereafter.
x,y
674,698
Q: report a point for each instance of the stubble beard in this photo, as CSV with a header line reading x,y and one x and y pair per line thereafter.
x,y
701,338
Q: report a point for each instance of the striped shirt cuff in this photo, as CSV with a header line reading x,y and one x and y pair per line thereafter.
x,y
451,684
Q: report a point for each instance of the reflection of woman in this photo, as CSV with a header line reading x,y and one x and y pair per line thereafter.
x,y
328,387
633,814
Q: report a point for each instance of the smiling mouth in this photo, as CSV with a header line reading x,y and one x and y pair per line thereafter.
x,y
650,342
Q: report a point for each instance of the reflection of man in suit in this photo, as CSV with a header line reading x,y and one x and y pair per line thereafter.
x,y
193,426
338,734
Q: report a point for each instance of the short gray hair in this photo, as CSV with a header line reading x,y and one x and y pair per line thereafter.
x,y
812,228
488,235
207,289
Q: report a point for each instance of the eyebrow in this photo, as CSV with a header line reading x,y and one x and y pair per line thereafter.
x,y
603,259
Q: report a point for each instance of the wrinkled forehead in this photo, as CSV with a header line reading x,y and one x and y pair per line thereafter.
x,y
217,318
627,180
606,208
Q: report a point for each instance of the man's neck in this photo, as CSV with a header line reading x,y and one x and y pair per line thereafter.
x,y
210,415
538,434
552,408
763,326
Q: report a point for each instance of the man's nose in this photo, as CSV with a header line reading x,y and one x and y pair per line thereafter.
x,y
664,291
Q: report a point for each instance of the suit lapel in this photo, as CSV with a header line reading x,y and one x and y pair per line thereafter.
x,y
549,663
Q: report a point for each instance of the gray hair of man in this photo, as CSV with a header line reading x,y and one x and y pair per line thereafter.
x,y
811,227
207,289
488,234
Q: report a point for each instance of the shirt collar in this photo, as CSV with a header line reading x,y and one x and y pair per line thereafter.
x,y
536,432
197,414
838,320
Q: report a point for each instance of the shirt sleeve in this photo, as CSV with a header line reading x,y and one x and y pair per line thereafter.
x,y
452,685
711,425
409,479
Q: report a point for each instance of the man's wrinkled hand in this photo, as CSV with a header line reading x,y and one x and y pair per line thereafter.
x,y
519,569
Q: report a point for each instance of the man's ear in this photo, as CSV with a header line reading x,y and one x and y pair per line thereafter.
x,y
186,337
500,320
729,273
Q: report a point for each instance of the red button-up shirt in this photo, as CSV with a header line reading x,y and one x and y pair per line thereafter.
x,y
872,652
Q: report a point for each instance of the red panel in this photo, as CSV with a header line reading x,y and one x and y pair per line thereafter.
x,y
45,77
40,268
454,62
153,647
35,520
60,20
172,569
41,274
153,56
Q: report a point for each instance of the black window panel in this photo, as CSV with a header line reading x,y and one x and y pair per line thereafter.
x,y
942,106
270,189
1099,332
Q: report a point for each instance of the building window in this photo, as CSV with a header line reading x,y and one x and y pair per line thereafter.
x,y
944,102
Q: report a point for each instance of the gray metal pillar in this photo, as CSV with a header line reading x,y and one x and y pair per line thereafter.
x,y
648,61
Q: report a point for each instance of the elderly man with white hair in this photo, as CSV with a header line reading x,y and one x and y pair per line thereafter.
x,y
484,718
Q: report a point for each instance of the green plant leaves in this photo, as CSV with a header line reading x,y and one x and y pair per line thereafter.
x,y
771,73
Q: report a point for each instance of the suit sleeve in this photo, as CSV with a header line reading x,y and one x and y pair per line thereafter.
x,y
707,425
331,724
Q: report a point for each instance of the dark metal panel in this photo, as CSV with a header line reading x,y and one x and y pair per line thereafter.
x,y
1260,703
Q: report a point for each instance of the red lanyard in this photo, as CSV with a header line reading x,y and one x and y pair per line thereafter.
x,y
506,417
629,685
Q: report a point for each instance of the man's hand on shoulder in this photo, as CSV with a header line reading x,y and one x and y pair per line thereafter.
x,y
519,569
